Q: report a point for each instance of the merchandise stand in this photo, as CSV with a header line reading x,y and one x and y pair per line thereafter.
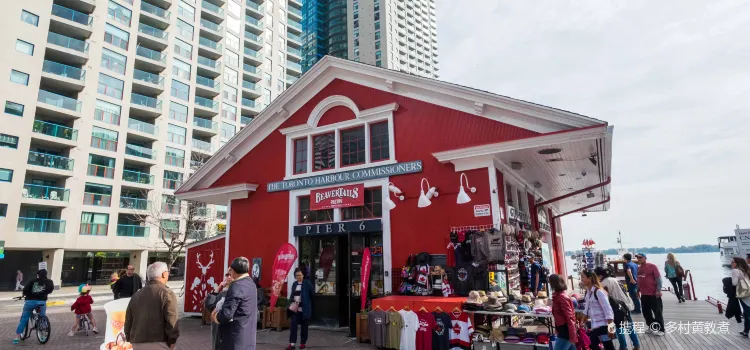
x,y
546,319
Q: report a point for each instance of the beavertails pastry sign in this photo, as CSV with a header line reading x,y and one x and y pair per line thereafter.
x,y
337,197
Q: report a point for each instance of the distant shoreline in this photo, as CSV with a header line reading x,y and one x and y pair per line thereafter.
x,y
632,251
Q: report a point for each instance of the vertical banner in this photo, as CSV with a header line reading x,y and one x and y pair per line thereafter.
x,y
282,263
365,276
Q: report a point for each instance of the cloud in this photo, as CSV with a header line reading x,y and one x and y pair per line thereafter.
x,y
673,80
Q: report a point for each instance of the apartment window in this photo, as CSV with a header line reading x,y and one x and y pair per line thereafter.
x,y
324,152
268,79
233,41
25,47
232,58
170,227
174,157
356,33
235,9
6,175
116,36
94,224
378,63
267,96
280,41
104,139
184,30
356,14
9,141
101,166
119,13
281,28
377,55
19,77
172,179
228,112
186,11
229,93
377,16
183,49
280,55
4,210
280,69
230,75
180,90
300,156
305,215
14,108
356,42
269,35
377,45
234,25
356,51
379,142
280,85
377,35
178,112
356,23
110,86
114,61
377,25
30,18
227,131
269,8
353,146
176,134
107,112
99,195
180,69
373,207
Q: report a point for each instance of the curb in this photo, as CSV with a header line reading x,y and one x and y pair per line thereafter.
x,y
54,297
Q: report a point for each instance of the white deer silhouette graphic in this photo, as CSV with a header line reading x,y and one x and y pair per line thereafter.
x,y
202,286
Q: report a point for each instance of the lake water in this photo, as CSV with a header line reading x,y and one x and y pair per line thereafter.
x,y
705,267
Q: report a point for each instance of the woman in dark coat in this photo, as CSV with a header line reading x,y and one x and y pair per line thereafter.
x,y
302,292
238,315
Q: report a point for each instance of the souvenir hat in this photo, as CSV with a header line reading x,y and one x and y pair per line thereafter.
x,y
510,307
540,303
541,295
493,304
482,296
523,308
526,298
474,298
516,294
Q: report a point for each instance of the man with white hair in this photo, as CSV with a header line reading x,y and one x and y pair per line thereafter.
x,y
151,317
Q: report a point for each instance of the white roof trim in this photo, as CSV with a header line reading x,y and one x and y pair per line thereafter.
x,y
524,114
204,241
219,195
328,103
360,117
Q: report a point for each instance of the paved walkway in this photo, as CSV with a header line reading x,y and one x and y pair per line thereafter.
x,y
96,290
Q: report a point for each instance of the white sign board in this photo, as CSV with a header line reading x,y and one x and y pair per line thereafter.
x,y
482,210
743,241
43,265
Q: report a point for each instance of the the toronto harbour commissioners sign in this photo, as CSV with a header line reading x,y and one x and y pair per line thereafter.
x,y
347,176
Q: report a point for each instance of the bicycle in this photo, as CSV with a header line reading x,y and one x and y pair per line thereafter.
x,y
37,322
84,324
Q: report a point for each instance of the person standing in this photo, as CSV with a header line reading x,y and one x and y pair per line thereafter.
x,y
300,311
675,273
741,280
19,280
615,291
599,312
36,293
631,282
564,315
238,315
649,284
151,316
536,276
127,285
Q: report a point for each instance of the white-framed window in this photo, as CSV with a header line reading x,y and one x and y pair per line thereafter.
x,y
233,41
25,47
19,77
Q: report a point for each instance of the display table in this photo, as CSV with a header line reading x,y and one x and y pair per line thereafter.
x,y
547,321
414,303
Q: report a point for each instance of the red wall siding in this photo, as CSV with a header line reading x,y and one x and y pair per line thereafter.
x,y
335,115
197,284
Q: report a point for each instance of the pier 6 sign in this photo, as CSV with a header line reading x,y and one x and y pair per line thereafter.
x,y
347,176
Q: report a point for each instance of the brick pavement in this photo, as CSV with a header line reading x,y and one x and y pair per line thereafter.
x,y
193,336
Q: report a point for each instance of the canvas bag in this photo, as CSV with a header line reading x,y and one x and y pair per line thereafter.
x,y
743,287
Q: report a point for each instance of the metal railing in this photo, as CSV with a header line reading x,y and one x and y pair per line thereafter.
x,y
294,51
50,161
171,184
210,25
63,70
145,101
156,11
253,37
137,177
140,151
149,30
54,130
202,145
137,125
134,203
294,37
213,8
208,62
205,102
254,6
119,16
251,69
205,82
293,65
107,116
294,24
67,42
72,15
40,225
205,123
245,120
209,43
294,11
248,102
148,77
150,54
45,192
252,53
253,21
251,86
173,160
132,231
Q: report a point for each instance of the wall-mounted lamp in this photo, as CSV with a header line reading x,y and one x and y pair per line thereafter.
x,y
462,196
389,203
424,198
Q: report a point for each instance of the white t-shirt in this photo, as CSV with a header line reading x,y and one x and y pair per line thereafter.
x,y
409,330
298,298
737,275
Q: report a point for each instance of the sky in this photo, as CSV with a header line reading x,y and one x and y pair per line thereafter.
x,y
673,77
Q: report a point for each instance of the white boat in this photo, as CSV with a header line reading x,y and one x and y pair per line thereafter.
x,y
728,249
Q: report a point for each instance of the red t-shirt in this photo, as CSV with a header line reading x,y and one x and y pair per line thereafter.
x,y
647,275
424,331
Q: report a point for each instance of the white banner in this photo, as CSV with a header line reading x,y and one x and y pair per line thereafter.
x,y
743,241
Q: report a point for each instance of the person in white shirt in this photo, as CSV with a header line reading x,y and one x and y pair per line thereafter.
x,y
616,292
598,310
740,273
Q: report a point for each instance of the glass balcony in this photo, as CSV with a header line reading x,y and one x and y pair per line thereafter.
x,y
293,10
138,125
137,177
45,192
148,77
40,225
206,102
210,25
50,161
92,229
252,53
253,21
72,15
149,30
97,199
248,103
206,82
253,37
202,145
209,43
156,11
245,120
295,66
132,231
294,37
54,130
254,6
173,160
213,8
101,171
251,69
251,86
208,62
63,70
140,151
205,123
294,51
135,203
67,42
145,101
294,24
150,54
61,101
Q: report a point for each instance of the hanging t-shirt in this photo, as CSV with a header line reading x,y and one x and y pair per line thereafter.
x,y
441,332
463,279
409,330
461,329
377,321
424,331
393,331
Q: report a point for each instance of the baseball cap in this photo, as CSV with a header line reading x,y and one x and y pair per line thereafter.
x,y
638,255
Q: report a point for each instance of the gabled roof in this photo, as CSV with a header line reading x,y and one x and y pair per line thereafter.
x,y
504,109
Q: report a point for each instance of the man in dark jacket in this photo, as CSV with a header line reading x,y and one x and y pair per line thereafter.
x,y
151,316
127,285
36,293
238,315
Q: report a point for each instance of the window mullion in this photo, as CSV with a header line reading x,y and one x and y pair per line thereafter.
x,y
337,149
368,149
310,159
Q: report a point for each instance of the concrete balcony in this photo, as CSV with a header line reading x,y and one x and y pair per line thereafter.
x,y
63,48
147,59
54,135
58,106
70,22
50,164
47,196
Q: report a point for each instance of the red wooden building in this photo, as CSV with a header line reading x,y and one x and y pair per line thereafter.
x,y
346,123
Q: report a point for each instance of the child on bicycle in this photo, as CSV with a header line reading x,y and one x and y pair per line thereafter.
x,y
82,308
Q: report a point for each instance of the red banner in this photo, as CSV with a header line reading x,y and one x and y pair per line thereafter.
x,y
337,197
365,276
282,263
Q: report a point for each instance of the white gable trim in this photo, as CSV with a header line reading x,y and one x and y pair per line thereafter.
x,y
219,195
328,103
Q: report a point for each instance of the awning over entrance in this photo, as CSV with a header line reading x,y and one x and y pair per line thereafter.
x,y
552,166
218,195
